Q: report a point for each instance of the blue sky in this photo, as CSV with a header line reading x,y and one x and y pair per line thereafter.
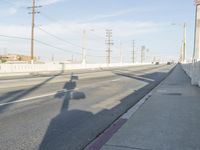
x,y
148,22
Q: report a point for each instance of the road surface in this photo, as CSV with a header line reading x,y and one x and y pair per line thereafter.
x,y
67,111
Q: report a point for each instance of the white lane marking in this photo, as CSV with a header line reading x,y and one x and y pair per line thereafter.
x,y
115,80
36,97
132,111
49,94
54,93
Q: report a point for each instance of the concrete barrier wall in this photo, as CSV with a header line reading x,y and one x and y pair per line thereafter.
x,y
31,68
193,71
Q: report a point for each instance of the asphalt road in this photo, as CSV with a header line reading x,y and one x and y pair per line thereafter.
x,y
67,111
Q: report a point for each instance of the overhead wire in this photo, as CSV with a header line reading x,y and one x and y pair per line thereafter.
x,y
54,20
46,44
38,41
63,40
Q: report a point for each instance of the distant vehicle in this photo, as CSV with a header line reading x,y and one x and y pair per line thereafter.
x,y
157,63
169,63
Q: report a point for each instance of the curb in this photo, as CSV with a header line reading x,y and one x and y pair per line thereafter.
x,y
108,133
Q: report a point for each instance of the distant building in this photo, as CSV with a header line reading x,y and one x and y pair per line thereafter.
x,y
15,58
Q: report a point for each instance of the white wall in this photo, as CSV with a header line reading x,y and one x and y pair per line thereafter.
x,y
193,71
31,68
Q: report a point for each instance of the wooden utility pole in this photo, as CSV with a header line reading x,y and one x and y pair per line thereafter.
x,y
33,12
32,31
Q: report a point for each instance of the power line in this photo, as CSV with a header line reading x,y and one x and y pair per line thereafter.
x,y
65,41
55,20
14,37
58,38
38,41
46,44
52,46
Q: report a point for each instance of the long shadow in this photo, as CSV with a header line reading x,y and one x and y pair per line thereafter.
x,y
73,126
56,134
73,129
148,77
16,95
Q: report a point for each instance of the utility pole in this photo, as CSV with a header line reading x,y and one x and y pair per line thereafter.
x,y
184,43
143,54
84,47
183,46
154,59
52,58
181,51
33,12
72,61
109,42
133,52
121,54
147,55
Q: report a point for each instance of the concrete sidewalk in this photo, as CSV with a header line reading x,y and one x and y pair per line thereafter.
x,y
168,120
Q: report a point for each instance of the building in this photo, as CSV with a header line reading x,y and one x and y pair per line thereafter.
x,y
15,57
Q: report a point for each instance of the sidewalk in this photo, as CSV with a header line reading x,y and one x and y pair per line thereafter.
x,y
168,120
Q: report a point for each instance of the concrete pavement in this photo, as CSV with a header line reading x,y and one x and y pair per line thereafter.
x,y
168,120
69,114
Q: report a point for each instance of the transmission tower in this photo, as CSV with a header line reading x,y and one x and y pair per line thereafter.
x,y
109,43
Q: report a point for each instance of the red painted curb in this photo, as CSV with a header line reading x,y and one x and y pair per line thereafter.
x,y
107,135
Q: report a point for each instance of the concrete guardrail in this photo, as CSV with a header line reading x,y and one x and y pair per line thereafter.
x,y
6,69
193,71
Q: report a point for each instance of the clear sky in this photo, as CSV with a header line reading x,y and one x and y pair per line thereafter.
x,y
148,22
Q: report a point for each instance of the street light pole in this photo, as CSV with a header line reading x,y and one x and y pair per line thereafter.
x,y
84,47
84,44
121,54
133,57
183,55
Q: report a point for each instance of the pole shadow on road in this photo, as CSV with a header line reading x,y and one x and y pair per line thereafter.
x,y
56,133
70,126
18,94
